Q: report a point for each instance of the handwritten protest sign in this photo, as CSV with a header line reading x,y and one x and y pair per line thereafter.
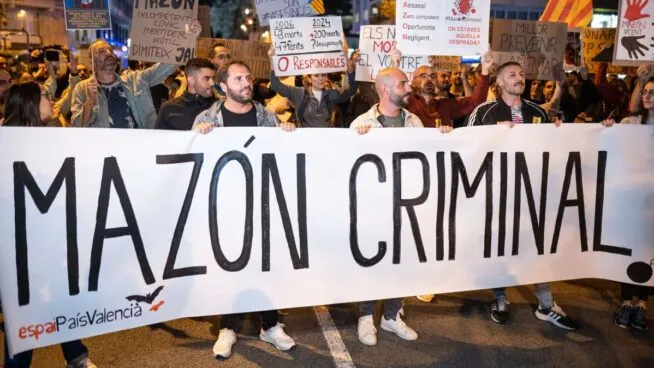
x,y
537,46
109,215
273,9
597,45
456,27
254,53
635,33
161,33
308,45
87,16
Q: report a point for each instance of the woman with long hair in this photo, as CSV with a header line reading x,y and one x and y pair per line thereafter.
x,y
27,105
634,297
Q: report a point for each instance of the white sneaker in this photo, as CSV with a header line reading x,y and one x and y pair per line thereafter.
x,y
276,336
399,328
426,298
367,331
223,346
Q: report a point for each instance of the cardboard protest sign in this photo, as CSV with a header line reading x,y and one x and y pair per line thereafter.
x,y
87,14
537,46
253,53
447,27
635,33
273,9
308,45
117,229
597,46
161,33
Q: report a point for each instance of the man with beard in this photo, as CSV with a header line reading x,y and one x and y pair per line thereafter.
x,y
456,84
394,92
179,113
510,109
239,110
108,100
435,110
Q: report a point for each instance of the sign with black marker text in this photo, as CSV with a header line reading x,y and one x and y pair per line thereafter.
x,y
116,229
272,9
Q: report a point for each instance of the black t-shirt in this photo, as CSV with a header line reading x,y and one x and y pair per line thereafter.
x,y
230,119
120,113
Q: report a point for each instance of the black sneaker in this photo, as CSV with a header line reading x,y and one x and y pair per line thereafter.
x,y
499,310
638,320
557,317
622,318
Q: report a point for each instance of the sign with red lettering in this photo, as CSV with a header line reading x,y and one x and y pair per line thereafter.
x,y
308,46
635,33
376,44
444,27
537,46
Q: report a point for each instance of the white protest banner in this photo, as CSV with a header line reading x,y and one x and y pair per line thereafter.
x,y
115,229
160,31
635,34
447,27
308,46
271,9
537,46
376,44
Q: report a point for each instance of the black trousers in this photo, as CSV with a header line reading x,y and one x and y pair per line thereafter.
x,y
72,350
235,321
630,291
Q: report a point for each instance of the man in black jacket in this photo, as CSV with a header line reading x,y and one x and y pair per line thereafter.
x,y
180,113
511,109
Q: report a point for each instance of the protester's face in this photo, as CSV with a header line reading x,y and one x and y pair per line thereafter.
x,y
548,90
318,81
83,72
455,78
424,80
472,79
45,107
648,96
512,80
442,80
400,90
535,91
201,82
221,56
104,57
239,84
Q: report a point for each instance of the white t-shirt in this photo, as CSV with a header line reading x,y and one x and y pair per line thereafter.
x,y
317,95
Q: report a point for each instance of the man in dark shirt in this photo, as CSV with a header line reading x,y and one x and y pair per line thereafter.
x,y
180,113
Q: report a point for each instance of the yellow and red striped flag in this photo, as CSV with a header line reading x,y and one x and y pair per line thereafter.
x,y
577,13
318,6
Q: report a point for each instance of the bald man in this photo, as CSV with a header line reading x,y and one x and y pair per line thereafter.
x,y
435,110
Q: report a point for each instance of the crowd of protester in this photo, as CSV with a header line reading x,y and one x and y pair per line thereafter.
x,y
206,94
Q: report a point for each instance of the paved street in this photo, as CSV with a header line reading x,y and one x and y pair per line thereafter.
x,y
455,331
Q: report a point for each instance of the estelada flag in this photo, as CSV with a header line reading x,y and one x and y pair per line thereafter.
x,y
577,13
317,5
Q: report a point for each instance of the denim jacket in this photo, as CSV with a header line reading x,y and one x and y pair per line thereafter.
x,y
137,87
214,116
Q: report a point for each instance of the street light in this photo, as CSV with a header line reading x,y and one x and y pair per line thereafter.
x,y
244,28
247,11
21,16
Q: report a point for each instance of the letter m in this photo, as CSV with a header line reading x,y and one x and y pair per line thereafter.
x,y
23,179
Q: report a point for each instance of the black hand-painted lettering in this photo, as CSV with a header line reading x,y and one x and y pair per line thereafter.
x,y
242,261
599,211
269,170
169,270
408,203
574,162
459,170
501,231
111,174
440,205
354,236
23,179
537,220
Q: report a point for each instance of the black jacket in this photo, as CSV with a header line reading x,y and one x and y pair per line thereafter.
x,y
492,112
179,113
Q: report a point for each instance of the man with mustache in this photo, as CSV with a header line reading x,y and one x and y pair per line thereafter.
x,y
108,100
435,110
511,109
238,109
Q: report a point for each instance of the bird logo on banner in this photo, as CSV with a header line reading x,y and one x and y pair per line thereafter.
x,y
317,5
577,13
